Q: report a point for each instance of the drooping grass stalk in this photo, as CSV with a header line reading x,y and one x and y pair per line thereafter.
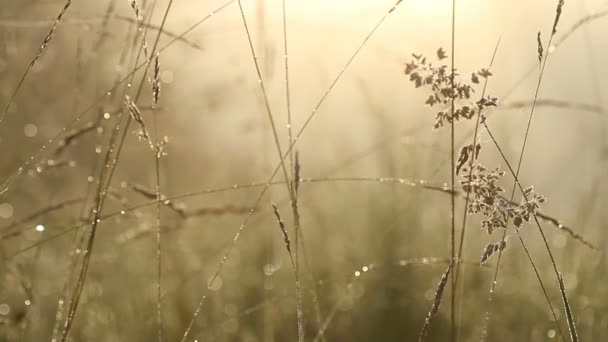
x,y
558,103
422,184
281,164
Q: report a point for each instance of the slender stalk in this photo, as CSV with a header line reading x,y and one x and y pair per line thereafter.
x,y
452,178
157,154
473,162
287,84
296,224
422,184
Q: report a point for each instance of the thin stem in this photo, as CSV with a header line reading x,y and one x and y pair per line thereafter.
x,y
474,160
287,85
452,177
157,155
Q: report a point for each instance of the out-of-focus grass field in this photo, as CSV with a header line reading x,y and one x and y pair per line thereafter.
x,y
374,216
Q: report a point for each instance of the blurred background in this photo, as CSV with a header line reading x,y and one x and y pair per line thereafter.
x,y
374,247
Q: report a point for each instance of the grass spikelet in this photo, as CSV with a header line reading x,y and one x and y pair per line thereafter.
x,y
558,14
135,114
436,303
492,248
156,80
540,47
140,25
297,180
284,232
569,316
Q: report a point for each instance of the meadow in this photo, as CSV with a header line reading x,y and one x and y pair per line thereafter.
x,y
322,170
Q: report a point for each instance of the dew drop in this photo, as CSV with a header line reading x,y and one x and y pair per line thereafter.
x,y
6,210
4,309
30,130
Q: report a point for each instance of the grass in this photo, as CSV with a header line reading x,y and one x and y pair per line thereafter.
x,y
146,247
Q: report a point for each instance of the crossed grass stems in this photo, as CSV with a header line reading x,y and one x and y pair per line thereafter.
x,y
116,141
